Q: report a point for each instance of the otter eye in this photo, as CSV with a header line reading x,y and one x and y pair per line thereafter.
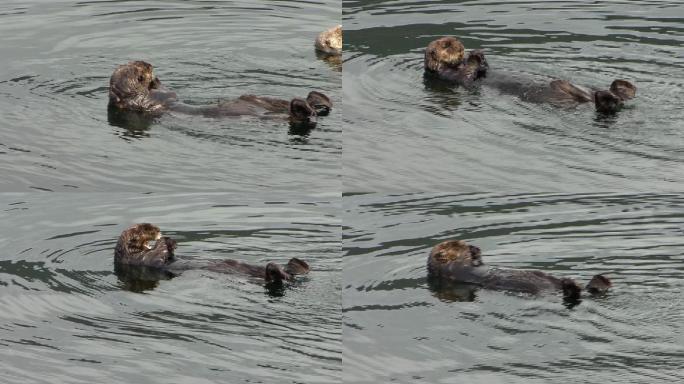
x,y
141,78
327,42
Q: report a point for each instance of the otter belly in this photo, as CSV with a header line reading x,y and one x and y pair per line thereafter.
x,y
528,281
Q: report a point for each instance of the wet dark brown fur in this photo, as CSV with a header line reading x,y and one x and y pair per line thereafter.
x,y
445,58
134,87
457,261
133,248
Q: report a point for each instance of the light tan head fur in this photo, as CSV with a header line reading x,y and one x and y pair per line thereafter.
x,y
330,41
445,52
456,251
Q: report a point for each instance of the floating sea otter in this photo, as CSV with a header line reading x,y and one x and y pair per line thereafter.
x,y
133,249
458,262
134,87
445,59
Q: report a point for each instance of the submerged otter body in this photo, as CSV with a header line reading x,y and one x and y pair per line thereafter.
x,y
133,249
133,87
445,59
456,261
563,93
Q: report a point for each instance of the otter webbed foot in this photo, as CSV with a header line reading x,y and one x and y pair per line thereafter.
x,y
319,102
598,285
297,267
612,100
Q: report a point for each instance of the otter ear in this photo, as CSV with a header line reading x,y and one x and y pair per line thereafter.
x,y
302,112
320,103
623,88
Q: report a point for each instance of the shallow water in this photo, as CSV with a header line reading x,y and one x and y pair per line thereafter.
x,y
56,59
398,328
67,318
405,133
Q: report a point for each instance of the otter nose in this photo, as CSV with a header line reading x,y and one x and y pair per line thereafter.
x,y
475,251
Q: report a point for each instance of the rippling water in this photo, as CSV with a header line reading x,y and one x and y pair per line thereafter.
x,y
67,318
56,59
399,329
405,133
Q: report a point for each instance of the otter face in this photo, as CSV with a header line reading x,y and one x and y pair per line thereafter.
x,y
446,52
456,251
133,86
140,235
330,41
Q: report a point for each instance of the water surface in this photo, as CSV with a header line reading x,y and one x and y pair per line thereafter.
x,y
68,318
56,59
399,328
405,133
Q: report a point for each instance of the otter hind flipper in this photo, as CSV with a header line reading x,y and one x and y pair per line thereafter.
x,y
320,103
623,88
297,267
599,285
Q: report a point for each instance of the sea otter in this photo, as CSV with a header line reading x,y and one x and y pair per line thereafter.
x,y
457,261
330,41
134,87
445,59
133,249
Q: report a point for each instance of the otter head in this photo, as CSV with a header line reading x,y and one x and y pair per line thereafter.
x,y
598,285
133,86
301,112
456,251
330,41
319,102
140,235
446,52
